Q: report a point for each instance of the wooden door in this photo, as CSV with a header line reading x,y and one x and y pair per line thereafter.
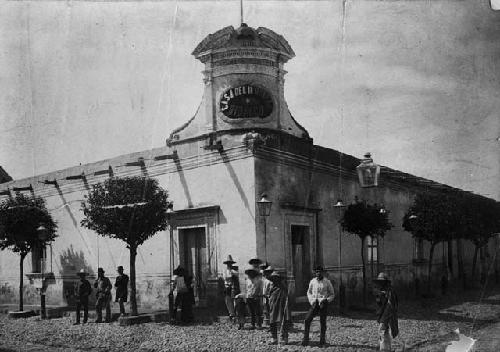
x,y
301,262
193,257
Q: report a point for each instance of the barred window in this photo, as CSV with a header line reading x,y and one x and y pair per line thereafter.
x,y
372,247
38,259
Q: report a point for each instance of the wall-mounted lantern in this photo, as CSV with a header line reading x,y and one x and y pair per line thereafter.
x,y
339,204
368,172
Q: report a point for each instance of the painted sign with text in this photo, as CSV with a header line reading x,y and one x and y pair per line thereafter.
x,y
246,102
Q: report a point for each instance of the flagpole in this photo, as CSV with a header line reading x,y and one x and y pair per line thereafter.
x,y
241,11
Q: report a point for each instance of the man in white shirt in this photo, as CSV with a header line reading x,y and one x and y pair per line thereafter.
x,y
319,294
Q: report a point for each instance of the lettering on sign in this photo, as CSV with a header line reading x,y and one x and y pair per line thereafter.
x,y
246,102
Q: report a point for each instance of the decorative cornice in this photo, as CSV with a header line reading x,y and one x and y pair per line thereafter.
x,y
245,39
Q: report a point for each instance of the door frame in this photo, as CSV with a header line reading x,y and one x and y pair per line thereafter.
x,y
311,260
299,219
207,254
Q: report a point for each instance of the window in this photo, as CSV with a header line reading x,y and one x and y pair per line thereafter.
x,y
38,259
372,247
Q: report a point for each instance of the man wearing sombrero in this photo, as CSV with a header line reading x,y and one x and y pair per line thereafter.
x,y
253,296
231,280
266,287
83,291
103,294
279,310
387,312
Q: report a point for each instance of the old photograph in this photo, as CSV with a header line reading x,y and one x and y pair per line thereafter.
x,y
250,175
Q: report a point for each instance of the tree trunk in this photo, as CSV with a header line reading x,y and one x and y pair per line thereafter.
x,y
133,299
363,270
484,267
474,260
450,258
21,281
429,272
460,259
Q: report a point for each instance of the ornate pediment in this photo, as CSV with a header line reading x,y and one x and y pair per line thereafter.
x,y
244,38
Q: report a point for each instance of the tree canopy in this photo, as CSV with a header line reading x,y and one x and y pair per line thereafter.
x,y
431,217
20,217
365,219
131,209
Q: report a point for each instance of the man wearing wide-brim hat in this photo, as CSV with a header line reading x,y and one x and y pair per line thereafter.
x,y
279,310
121,286
320,293
103,295
266,287
231,280
83,291
253,296
255,262
387,312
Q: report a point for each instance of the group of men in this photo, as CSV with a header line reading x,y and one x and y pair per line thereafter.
x,y
103,288
266,300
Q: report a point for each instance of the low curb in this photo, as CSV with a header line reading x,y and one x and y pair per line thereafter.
x,y
21,314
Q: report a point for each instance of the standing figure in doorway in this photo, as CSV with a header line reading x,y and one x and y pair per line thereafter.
x,y
183,297
83,291
320,293
387,312
103,295
121,285
279,312
228,287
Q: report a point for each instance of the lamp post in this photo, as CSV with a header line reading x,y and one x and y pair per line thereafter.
x,y
382,211
340,206
42,236
170,210
264,206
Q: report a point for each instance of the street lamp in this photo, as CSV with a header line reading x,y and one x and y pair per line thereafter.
x,y
42,233
368,172
264,206
340,206
170,211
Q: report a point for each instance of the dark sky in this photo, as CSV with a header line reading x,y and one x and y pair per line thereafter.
x,y
417,83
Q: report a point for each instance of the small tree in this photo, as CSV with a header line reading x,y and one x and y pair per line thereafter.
x,y
481,222
20,218
364,219
432,218
131,209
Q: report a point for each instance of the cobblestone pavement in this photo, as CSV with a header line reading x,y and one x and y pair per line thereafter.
x,y
425,326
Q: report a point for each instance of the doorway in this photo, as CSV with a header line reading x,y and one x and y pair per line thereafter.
x,y
301,261
193,257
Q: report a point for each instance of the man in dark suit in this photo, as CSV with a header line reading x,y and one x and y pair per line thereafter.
x,y
121,286
82,292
